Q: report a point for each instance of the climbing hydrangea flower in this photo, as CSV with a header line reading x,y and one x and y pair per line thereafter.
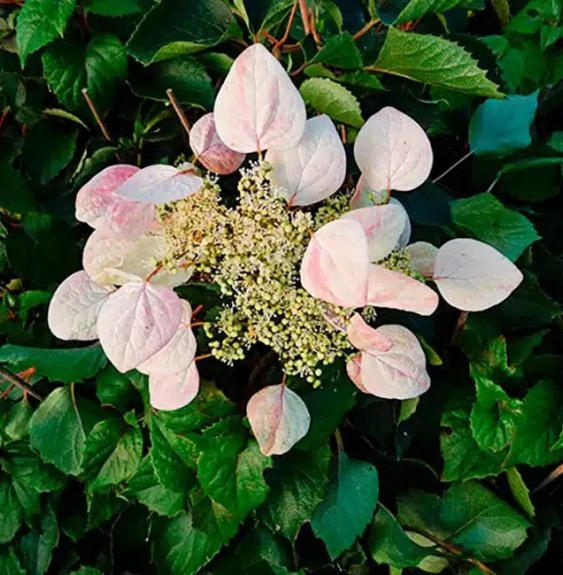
x,y
301,265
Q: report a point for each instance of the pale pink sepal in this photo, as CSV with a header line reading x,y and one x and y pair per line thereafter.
x,y
473,276
393,152
170,392
395,290
362,336
258,107
335,266
279,419
396,373
354,371
383,225
160,184
136,321
210,150
178,353
422,256
74,307
312,170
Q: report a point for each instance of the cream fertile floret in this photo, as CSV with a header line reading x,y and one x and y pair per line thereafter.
x,y
300,263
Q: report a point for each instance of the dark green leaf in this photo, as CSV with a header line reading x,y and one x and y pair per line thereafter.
x,y
47,150
230,470
520,491
539,427
416,9
433,60
112,8
10,510
9,562
112,453
341,52
486,219
185,76
177,27
502,126
145,487
100,68
40,22
390,545
66,365
348,506
297,483
37,546
59,427
15,194
114,388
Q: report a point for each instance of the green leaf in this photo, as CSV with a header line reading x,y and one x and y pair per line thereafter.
x,y
144,487
230,470
179,548
328,97
486,219
185,76
433,60
37,547
476,520
40,22
172,457
176,27
15,194
9,562
341,52
43,162
520,491
101,507
113,8
100,67
494,415
390,545
115,389
11,512
503,126
327,406
539,428
354,78
44,250
416,9
14,422
28,470
59,427
463,458
556,142
348,506
297,483
87,571
66,365
112,453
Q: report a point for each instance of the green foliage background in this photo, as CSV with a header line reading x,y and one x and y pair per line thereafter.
x,y
93,481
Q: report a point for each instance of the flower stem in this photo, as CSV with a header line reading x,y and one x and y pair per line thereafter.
x,y
178,110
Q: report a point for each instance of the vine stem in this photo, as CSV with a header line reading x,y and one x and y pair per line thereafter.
x,y
448,547
453,166
305,16
557,472
178,110
96,114
289,24
366,28
19,382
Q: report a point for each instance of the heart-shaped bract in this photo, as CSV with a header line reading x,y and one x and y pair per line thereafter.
x,y
100,207
396,290
160,184
258,107
335,267
170,392
178,353
473,276
136,321
210,150
392,363
75,306
393,151
279,419
312,170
